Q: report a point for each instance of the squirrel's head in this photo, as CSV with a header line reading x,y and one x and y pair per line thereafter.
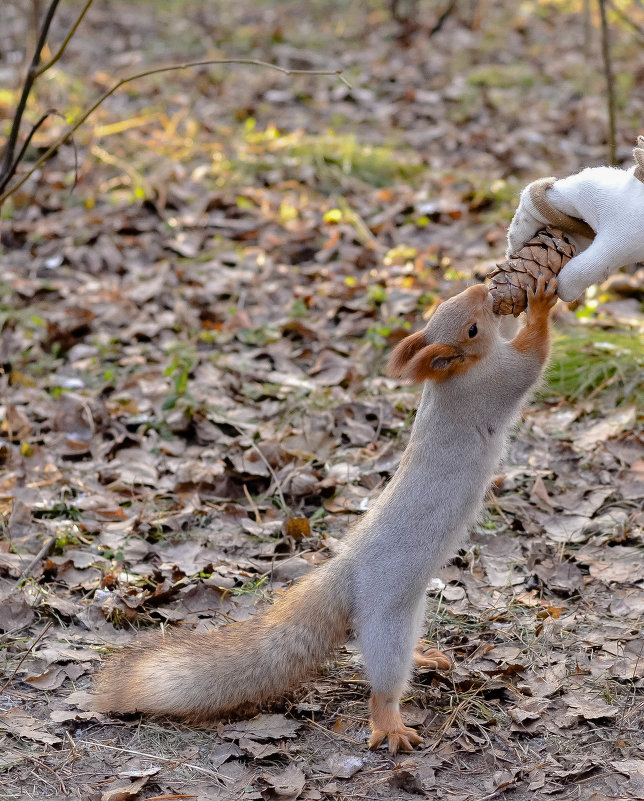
x,y
460,332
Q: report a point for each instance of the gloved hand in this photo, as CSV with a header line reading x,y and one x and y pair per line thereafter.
x,y
611,201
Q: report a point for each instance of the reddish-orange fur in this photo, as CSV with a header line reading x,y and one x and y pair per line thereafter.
x,y
203,676
403,353
435,361
534,337
386,722
431,658
439,362
417,358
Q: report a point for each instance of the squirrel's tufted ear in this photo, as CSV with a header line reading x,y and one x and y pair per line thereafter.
x,y
403,353
436,363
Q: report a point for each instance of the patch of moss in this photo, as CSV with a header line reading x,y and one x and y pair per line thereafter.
x,y
591,362
333,157
502,76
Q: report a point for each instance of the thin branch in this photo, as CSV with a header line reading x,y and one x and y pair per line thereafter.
x,y
32,74
66,40
44,551
625,19
610,86
253,505
9,170
50,112
442,19
269,467
123,81
25,655
157,758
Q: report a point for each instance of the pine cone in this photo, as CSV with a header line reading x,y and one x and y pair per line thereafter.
x,y
545,254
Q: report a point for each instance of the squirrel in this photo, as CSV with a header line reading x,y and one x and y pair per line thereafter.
x,y
475,382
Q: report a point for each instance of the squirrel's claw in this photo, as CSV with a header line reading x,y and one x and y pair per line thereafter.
x,y
387,724
543,295
399,739
431,658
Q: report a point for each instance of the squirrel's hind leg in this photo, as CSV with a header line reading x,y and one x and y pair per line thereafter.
x,y
388,633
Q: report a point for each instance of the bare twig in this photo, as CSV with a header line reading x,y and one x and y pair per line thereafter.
x,y
47,546
25,144
27,755
66,40
25,655
610,88
505,786
32,74
283,562
10,164
278,486
334,735
123,81
400,17
625,19
258,517
213,774
442,19
408,20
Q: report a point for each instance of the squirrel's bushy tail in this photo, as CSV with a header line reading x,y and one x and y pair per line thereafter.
x,y
203,675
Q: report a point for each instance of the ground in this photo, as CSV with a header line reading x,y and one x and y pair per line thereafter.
x,y
198,299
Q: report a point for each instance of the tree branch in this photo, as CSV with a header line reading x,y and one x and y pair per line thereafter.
x,y
637,29
442,19
25,144
66,40
32,74
610,86
156,71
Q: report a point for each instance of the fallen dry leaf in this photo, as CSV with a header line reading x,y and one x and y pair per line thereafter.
x,y
261,727
124,790
20,724
288,784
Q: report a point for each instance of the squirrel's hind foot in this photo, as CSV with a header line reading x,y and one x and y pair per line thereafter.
x,y
402,739
431,658
387,724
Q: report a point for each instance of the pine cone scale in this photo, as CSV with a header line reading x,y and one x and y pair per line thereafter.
x,y
545,254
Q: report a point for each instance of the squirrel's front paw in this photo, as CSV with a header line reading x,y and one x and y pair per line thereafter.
x,y
544,296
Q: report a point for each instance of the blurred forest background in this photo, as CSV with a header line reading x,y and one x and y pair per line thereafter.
x,y
199,290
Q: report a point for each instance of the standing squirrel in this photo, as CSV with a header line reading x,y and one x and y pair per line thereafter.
x,y
475,382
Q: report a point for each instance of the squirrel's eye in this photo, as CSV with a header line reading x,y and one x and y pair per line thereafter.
x,y
473,331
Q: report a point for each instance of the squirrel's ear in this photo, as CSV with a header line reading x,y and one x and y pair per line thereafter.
x,y
435,362
403,353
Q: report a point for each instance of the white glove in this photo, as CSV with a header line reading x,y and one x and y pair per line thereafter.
x,y
611,201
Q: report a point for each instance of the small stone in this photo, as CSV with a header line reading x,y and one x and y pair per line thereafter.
x,y
407,779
